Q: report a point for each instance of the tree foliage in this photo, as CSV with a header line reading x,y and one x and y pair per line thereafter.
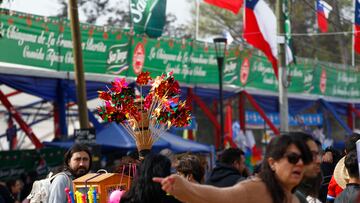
x,y
333,46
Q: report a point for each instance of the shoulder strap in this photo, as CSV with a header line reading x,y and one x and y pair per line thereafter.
x,y
64,174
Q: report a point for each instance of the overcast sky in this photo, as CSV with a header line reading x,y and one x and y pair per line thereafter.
x,y
181,8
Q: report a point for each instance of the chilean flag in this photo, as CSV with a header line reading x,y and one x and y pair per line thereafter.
x,y
322,9
232,5
357,27
260,29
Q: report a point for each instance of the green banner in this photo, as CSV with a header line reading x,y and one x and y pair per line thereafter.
x,y
45,43
148,16
15,163
190,62
42,42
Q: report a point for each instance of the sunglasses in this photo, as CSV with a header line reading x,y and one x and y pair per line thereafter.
x,y
293,158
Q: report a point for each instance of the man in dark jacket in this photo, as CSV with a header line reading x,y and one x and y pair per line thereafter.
x,y
351,192
229,169
307,191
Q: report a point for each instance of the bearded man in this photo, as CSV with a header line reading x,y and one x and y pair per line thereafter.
x,y
77,162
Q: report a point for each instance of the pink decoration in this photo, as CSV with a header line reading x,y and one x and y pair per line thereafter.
x,y
115,196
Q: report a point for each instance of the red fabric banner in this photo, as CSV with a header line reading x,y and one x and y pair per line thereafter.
x,y
232,5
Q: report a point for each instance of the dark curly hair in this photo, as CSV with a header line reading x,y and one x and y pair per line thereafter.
x,y
190,164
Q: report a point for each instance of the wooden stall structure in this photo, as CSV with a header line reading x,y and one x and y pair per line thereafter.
x,y
104,183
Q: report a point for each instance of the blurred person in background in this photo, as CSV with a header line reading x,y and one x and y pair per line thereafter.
x,y
352,189
143,189
5,194
190,167
340,176
229,169
15,186
28,180
329,160
306,191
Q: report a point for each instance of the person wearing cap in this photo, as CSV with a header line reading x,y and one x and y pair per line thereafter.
x,y
351,191
341,177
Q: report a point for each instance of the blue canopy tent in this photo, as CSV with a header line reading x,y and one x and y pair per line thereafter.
x,y
113,136
180,145
60,144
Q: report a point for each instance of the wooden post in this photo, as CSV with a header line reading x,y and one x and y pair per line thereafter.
x,y
78,65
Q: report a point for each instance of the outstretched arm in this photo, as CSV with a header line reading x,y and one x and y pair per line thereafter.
x,y
192,192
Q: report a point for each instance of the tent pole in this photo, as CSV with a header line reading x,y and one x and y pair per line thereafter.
x,y
23,125
350,116
242,111
262,113
330,108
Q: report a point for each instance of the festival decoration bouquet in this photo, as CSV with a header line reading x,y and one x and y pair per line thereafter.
x,y
145,119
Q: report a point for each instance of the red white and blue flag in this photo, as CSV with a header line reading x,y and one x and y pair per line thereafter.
x,y
357,27
260,29
232,5
322,9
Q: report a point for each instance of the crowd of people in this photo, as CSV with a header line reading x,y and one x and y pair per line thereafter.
x,y
295,169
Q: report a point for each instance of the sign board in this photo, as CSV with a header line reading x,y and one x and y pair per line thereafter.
x,y
85,136
254,119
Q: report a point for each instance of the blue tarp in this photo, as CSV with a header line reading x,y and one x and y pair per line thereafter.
x,y
114,136
47,88
180,145
270,104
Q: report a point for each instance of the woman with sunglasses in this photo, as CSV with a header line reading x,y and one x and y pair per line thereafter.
x,y
281,172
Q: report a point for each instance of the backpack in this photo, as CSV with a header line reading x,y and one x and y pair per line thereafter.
x,y
41,189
